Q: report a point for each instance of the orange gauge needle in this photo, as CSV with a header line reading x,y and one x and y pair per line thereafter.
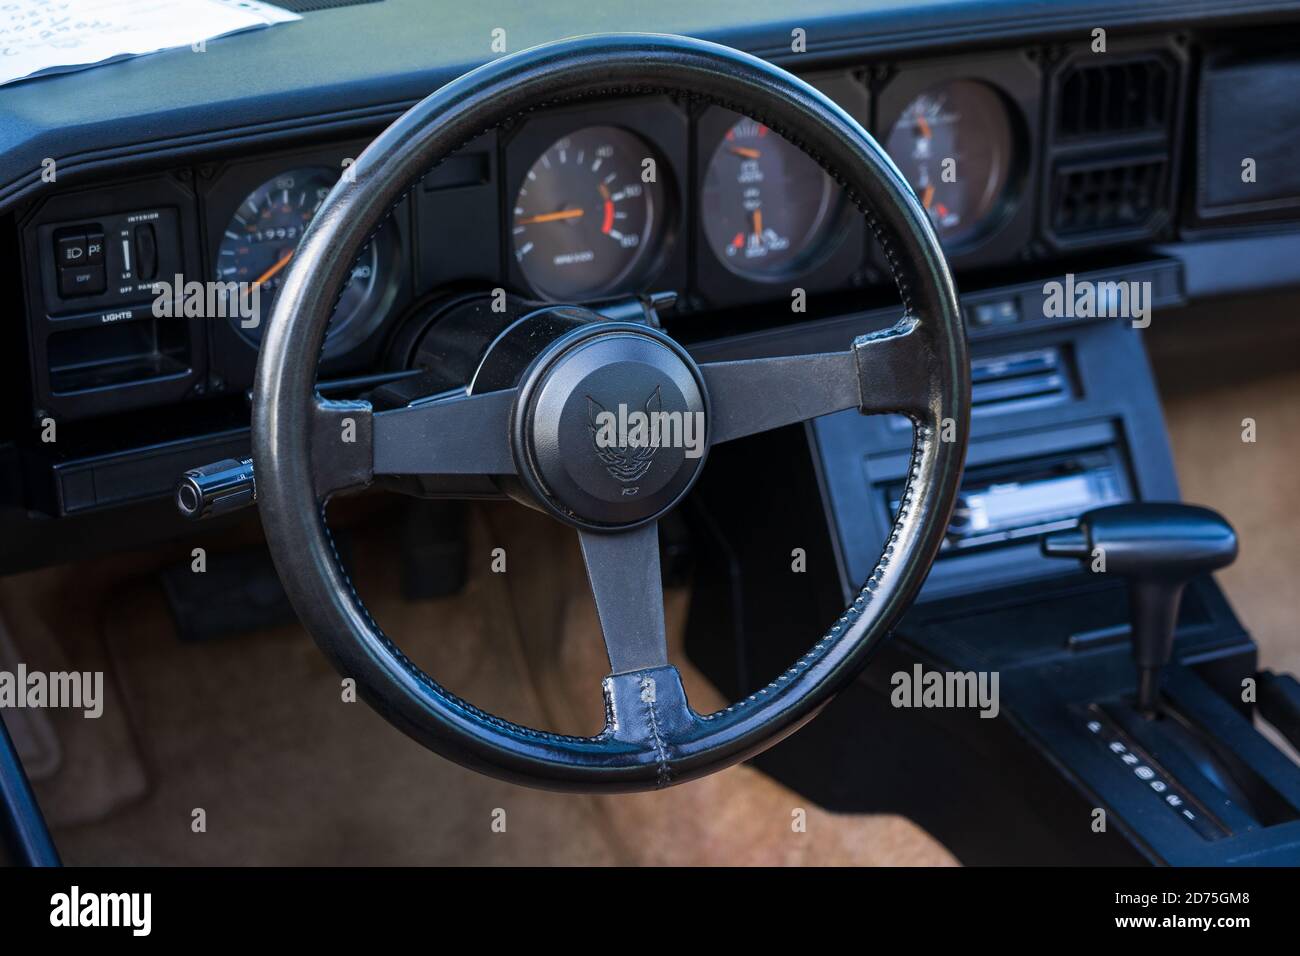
x,y
550,217
284,261
923,126
927,197
758,223
745,151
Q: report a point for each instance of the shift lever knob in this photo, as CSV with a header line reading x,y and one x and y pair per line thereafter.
x,y
1159,547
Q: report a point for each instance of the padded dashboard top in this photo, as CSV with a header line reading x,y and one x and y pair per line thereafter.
x,y
374,59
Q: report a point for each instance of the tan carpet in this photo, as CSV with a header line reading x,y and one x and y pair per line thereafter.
x,y
54,620
253,732
736,817
1256,486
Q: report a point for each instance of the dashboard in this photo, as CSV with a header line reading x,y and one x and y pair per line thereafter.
x,y
624,197
148,271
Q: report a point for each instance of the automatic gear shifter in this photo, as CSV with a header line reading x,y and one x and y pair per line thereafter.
x,y
1159,548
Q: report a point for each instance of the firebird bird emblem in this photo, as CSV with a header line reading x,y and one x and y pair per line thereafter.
x,y
627,454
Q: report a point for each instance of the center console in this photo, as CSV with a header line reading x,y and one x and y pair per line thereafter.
x,y
1065,418
1075,765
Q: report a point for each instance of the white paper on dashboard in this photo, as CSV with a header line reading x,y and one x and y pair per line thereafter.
x,y
41,37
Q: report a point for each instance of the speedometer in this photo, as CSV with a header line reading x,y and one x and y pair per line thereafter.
x,y
584,221
262,237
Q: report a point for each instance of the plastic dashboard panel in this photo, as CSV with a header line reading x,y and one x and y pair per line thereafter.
x,y
447,234
452,230
1246,95
178,104
119,123
1112,407
1115,413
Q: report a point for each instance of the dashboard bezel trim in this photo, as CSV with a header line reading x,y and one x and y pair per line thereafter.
x,y
662,124
221,188
837,266
1016,77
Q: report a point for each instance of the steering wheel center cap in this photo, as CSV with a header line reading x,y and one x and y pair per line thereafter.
x,y
612,426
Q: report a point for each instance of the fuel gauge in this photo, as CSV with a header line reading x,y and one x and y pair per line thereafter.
x,y
954,145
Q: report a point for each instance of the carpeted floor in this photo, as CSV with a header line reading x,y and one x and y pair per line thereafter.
x,y
1218,365
1256,486
252,731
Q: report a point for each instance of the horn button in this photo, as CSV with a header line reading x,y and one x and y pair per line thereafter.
x,y
611,427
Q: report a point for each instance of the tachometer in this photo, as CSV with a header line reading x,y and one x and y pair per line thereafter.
x,y
584,221
767,206
954,145
260,241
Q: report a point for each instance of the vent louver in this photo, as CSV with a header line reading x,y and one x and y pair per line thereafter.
x,y
1124,195
1018,381
1112,99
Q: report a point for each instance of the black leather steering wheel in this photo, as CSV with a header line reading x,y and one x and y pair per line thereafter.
x,y
526,423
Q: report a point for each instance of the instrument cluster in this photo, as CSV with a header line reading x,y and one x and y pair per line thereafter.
x,y
601,200
606,204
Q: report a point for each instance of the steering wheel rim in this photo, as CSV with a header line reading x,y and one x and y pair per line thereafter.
x,y
652,738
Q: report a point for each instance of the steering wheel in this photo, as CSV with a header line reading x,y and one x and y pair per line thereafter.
x,y
526,420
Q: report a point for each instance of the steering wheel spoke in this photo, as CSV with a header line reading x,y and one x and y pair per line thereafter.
x,y
342,442
644,696
452,434
623,568
887,371
587,428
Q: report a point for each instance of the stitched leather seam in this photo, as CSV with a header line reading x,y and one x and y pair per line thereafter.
x,y
663,775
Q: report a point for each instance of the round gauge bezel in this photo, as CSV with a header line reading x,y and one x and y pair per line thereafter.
x,y
1010,190
653,196
1006,229
369,312
820,243
664,128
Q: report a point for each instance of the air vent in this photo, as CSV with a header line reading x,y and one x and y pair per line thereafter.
x,y
1108,196
1019,381
1114,99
